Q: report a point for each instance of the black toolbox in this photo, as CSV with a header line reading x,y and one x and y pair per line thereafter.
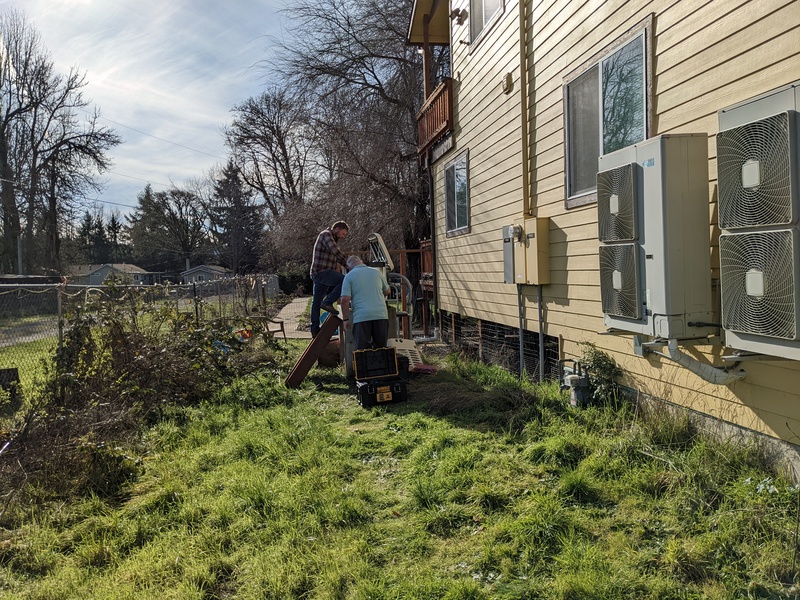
x,y
380,363
381,391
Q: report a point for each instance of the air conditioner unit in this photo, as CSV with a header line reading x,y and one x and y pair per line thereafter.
x,y
653,227
758,279
618,219
758,164
619,280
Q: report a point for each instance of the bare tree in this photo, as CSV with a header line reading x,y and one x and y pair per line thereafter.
x,y
48,155
65,157
168,229
270,142
350,61
21,61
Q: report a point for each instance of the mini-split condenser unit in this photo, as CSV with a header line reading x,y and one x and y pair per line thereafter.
x,y
758,170
653,226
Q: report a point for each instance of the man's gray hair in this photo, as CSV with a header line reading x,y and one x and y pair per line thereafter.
x,y
353,261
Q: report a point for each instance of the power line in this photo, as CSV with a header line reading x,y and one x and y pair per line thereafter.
x,y
156,137
139,178
110,202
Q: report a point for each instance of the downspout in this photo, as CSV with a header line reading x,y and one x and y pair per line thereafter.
x,y
527,207
706,372
431,209
521,332
523,91
426,59
541,335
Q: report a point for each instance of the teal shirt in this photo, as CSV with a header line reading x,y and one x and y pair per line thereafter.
x,y
366,287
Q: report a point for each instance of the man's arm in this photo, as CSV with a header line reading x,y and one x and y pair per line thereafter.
x,y
333,248
344,305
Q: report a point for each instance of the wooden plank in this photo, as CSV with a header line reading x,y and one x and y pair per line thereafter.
x,y
313,351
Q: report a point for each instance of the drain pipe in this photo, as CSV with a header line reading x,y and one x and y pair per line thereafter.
x,y
706,372
521,332
541,332
430,338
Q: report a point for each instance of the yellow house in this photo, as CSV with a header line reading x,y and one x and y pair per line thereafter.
x,y
625,173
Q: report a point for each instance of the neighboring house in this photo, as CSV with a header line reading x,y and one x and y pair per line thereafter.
x,y
539,92
97,274
205,273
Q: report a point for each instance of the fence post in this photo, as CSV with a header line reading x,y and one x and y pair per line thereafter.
x,y
196,306
60,309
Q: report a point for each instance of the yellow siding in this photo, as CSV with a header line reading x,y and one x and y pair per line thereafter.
x,y
469,266
708,55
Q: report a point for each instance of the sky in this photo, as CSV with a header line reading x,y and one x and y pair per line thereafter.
x,y
165,75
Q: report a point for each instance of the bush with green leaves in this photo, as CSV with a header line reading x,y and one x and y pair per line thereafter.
x,y
124,361
603,373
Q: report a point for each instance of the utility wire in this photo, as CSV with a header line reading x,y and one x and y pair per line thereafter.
x,y
157,138
150,181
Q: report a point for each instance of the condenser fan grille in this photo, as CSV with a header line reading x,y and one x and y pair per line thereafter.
x,y
616,205
757,278
619,280
756,182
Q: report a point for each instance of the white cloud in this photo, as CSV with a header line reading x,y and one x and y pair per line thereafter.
x,y
170,69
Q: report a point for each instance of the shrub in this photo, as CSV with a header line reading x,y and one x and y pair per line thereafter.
x,y
603,373
124,362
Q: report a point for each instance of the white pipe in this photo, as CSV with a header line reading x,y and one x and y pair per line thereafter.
x,y
706,372
520,310
431,338
541,332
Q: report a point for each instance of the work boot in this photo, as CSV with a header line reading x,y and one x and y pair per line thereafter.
x,y
330,309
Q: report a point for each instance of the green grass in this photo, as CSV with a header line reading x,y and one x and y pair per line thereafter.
x,y
27,357
477,487
21,321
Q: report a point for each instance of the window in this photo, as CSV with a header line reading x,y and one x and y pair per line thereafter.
x,y
606,109
201,278
456,190
480,13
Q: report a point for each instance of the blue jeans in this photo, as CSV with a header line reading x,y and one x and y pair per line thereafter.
x,y
327,289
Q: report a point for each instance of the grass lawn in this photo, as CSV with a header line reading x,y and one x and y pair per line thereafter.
x,y
27,357
477,487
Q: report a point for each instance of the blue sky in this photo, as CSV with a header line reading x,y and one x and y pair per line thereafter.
x,y
164,74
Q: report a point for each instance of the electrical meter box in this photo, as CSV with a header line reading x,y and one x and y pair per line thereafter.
x,y
537,251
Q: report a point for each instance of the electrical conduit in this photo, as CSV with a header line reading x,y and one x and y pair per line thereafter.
x,y
706,372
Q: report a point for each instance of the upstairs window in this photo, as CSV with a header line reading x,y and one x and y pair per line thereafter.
x,y
481,12
606,108
456,190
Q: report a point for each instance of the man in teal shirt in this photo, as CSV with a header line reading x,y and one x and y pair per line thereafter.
x,y
363,305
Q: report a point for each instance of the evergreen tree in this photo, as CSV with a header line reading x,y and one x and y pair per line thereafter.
x,y
236,221
92,239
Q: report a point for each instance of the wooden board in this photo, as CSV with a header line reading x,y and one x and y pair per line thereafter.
x,y
313,352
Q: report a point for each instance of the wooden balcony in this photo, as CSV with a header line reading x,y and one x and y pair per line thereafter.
x,y
435,118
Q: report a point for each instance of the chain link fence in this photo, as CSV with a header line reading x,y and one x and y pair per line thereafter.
x,y
33,316
32,319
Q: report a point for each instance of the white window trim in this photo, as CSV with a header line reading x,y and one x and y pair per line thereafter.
x,y
489,24
643,28
464,228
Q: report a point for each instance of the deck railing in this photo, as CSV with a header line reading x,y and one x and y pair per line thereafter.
x,y
435,118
